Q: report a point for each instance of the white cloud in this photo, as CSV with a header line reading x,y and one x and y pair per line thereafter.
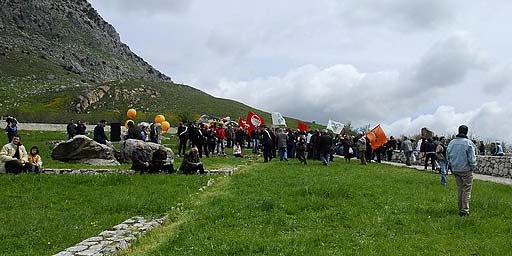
x,y
490,121
345,93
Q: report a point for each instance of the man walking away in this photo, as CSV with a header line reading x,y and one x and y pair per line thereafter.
x,y
406,147
324,146
267,143
430,149
462,159
282,139
361,145
441,157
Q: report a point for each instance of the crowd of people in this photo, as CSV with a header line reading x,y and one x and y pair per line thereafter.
x,y
457,154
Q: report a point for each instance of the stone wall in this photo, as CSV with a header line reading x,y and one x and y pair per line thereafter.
x,y
500,166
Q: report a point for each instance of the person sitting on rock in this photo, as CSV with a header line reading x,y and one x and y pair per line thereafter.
x,y
141,161
99,133
13,157
191,163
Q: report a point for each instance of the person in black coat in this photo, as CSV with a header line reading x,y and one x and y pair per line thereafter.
x,y
134,132
182,137
267,143
324,147
71,129
99,133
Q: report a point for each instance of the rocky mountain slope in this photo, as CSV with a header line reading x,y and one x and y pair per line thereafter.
x,y
71,34
60,60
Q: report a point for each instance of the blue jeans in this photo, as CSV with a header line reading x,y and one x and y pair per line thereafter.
x,y
255,146
443,164
282,154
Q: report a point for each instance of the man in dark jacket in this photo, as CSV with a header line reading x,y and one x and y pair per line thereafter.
x,y
267,143
182,137
99,133
71,129
134,132
390,146
324,147
430,153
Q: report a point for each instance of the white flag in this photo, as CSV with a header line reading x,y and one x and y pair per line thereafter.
x,y
335,127
278,119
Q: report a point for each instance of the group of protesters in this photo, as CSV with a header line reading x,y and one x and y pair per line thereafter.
x,y
271,142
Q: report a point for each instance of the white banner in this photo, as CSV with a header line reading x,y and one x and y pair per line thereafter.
x,y
278,119
335,127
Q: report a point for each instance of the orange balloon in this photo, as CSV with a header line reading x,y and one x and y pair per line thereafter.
x,y
126,123
159,119
165,126
131,113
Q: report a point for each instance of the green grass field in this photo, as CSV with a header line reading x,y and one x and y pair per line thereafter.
x,y
280,208
344,209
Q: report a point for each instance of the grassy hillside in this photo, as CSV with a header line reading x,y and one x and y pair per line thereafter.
x,y
36,90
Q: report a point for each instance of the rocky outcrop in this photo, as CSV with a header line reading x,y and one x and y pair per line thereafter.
x,y
93,98
128,146
83,149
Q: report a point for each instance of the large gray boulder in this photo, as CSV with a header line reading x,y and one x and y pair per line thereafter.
x,y
128,146
83,149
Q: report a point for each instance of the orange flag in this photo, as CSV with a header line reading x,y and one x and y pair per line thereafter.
x,y
377,137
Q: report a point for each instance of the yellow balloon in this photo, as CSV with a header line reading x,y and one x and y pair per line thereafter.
x,y
126,123
165,126
159,119
131,113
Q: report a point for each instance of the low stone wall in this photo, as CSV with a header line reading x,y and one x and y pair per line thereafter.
x,y
118,238
500,166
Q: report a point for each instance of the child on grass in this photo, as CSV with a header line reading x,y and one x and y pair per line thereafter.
x,y
35,160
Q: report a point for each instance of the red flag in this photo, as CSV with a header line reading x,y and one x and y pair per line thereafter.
x,y
243,124
254,121
377,137
303,127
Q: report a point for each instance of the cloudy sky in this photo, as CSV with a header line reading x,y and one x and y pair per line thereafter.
x,y
405,64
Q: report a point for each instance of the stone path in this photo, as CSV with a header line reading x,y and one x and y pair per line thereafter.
x,y
110,241
500,180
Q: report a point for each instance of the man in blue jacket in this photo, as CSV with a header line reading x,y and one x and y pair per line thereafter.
x,y
462,158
